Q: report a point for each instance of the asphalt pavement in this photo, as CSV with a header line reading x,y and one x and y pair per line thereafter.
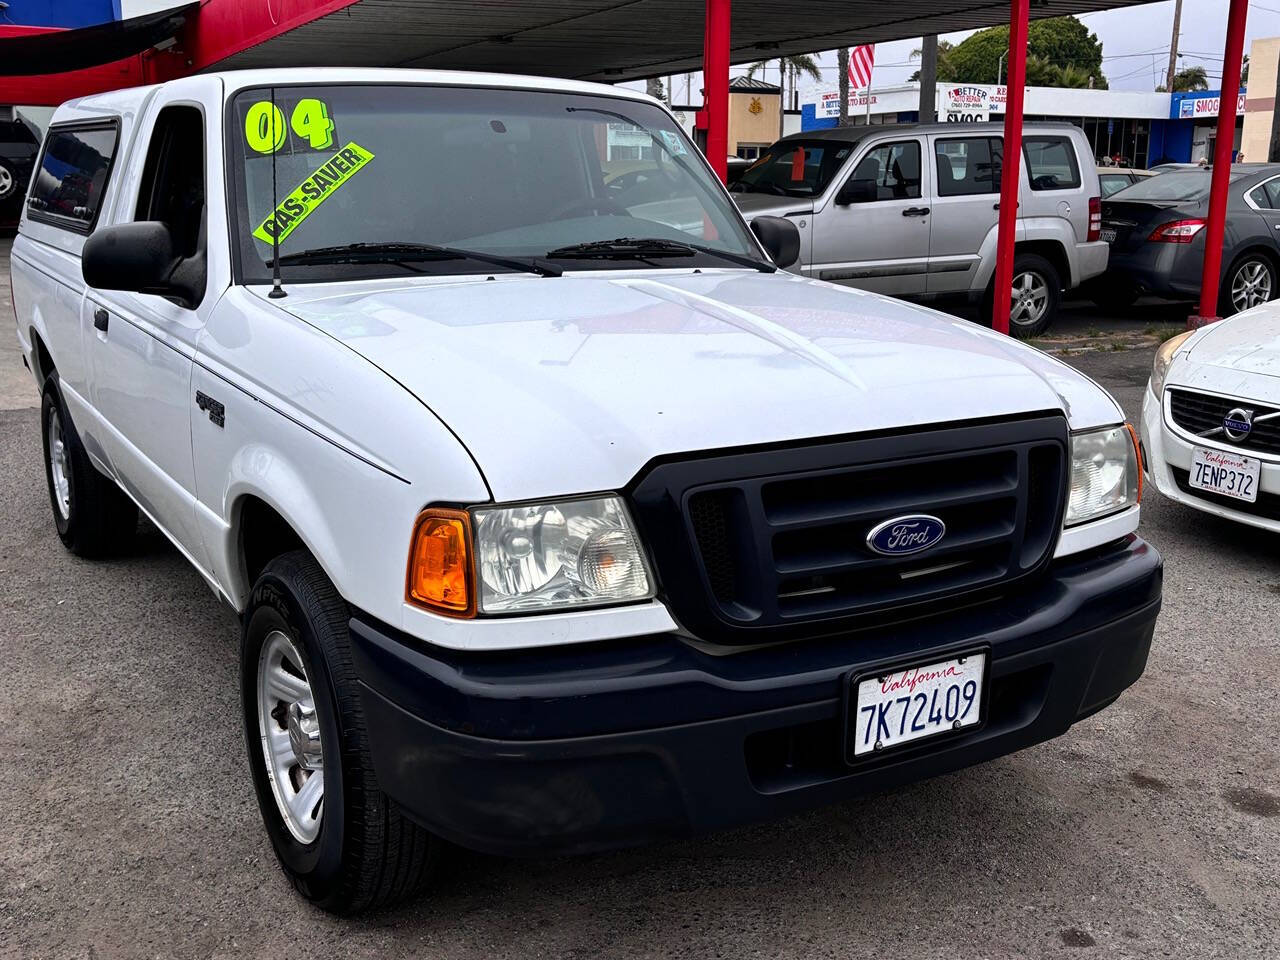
x,y
128,826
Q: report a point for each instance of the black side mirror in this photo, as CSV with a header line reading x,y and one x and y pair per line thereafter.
x,y
780,237
138,257
856,191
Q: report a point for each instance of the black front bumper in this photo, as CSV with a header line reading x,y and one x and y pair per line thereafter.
x,y
571,749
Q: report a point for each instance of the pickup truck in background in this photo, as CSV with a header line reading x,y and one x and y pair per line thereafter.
x,y
557,515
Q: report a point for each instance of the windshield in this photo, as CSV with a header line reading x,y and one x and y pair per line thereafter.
x,y
1179,186
794,168
506,173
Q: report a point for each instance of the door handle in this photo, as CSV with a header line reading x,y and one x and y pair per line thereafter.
x,y
100,319
916,212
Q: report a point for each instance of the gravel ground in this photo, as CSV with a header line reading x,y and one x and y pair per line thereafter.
x,y
128,826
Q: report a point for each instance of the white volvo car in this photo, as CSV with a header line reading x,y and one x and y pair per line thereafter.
x,y
1211,418
556,515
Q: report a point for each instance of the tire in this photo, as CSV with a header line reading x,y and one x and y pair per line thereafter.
x,y
8,180
1044,279
93,516
345,845
1249,281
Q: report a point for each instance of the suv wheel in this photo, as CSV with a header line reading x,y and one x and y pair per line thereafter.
x,y
1250,281
1033,300
93,516
341,841
8,180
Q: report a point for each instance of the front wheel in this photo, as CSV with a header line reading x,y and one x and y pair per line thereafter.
x,y
341,841
1249,281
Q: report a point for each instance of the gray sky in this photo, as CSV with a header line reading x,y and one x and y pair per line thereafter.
x,y
1135,46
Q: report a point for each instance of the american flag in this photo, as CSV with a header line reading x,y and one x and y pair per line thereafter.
x,y
861,60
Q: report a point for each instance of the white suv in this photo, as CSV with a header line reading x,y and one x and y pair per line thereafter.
x,y
557,517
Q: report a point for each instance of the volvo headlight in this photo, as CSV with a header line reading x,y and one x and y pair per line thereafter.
x,y
1106,475
1164,357
528,557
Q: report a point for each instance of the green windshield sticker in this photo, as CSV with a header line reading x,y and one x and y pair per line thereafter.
x,y
312,192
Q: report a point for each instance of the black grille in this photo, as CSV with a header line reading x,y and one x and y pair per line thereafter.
x,y
1201,414
775,540
1267,504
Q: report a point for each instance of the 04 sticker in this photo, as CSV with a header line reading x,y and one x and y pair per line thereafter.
x,y
265,130
311,192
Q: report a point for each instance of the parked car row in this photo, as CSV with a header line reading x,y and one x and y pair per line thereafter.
x,y
911,210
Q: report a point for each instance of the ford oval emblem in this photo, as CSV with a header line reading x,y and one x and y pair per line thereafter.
x,y
903,535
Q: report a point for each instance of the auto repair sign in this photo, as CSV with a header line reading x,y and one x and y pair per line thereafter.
x,y
967,103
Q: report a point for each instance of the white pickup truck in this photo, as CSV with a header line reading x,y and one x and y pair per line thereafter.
x,y
557,516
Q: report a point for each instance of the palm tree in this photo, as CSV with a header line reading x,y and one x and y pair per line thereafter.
x,y
946,73
1190,80
789,68
1073,76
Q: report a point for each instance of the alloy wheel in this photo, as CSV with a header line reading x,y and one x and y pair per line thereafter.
x,y
1029,299
290,732
6,182
1250,285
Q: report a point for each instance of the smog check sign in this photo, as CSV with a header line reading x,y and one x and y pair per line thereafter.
x,y
311,192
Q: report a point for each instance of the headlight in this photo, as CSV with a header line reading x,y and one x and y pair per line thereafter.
x,y
1164,357
569,554
1105,474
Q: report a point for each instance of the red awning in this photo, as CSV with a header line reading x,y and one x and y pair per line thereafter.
x,y
28,53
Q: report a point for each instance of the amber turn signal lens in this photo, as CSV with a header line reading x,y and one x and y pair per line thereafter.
x,y
440,563
1137,455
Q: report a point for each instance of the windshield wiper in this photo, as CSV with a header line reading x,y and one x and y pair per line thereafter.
x,y
646,248
395,252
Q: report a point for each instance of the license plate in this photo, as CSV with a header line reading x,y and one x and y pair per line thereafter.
x,y
1108,235
892,709
1225,473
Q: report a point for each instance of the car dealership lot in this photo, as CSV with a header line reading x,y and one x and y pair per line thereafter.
x,y
128,826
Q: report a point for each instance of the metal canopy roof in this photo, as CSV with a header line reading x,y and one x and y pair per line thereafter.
x,y
610,40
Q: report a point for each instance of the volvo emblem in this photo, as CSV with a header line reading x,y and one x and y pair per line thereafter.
x,y
904,535
1237,424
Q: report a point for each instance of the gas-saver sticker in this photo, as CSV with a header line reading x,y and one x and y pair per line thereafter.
x,y
312,192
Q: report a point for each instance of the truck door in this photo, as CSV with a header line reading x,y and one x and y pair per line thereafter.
x,y
874,231
966,171
142,345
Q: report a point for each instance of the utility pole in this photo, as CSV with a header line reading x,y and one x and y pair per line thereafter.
x,y
842,59
929,79
1173,46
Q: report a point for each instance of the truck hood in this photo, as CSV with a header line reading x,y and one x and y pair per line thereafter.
x,y
1248,342
572,384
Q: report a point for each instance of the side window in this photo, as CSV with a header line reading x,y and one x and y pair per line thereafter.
x,y
890,171
1051,163
73,175
1112,183
173,190
968,166
1272,188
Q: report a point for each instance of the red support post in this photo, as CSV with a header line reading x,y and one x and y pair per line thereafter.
x,y
715,82
1011,169
1216,226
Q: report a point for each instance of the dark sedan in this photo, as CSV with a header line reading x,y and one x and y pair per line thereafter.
x,y
1156,229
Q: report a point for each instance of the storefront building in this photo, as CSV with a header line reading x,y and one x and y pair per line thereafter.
x,y
1127,128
